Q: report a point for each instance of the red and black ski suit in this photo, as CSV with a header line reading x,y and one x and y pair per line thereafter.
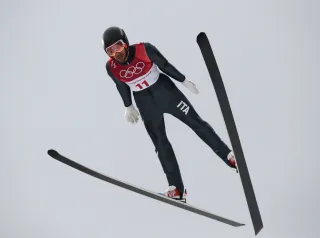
x,y
155,94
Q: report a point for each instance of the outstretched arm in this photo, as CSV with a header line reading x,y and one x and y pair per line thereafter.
x,y
163,64
123,89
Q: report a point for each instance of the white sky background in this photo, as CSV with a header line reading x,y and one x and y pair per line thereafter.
x,y
55,93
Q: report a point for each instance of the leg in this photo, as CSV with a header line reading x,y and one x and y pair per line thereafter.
x,y
182,109
157,133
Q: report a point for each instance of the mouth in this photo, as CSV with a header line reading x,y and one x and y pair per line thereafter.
x,y
120,57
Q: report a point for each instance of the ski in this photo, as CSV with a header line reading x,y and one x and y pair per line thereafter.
x,y
56,155
212,66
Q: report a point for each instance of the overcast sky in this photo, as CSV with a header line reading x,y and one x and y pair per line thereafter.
x,y
55,93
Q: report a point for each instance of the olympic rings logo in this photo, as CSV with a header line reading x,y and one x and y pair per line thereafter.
x,y
132,70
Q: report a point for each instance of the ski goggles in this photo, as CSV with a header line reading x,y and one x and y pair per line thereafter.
x,y
116,47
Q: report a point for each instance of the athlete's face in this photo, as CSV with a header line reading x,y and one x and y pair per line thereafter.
x,y
118,51
121,56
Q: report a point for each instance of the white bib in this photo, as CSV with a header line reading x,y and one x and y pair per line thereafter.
x,y
145,80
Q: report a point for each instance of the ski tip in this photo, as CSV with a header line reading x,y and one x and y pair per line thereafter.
x,y
53,152
201,35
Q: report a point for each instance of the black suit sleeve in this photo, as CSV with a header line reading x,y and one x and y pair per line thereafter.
x,y
123,88
163,64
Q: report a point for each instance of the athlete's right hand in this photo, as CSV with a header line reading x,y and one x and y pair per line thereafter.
x,y
131,114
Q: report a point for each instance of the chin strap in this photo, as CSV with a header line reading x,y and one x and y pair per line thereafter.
x,y
127,56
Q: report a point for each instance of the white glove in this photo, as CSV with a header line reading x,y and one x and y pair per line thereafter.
x,y
191,86
131,114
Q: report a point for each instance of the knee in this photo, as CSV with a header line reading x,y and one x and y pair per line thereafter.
x,y
198,124
163,141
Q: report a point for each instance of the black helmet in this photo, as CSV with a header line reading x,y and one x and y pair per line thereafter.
x,y
112,35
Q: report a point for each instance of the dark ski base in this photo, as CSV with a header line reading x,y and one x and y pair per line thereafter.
x,y
54,154
216,78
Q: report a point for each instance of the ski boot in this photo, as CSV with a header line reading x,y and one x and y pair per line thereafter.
x,y
232,161
174,193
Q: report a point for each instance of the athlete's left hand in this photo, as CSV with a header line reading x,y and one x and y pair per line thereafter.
x,y
191,86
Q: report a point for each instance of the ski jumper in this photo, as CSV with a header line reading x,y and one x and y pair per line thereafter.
x,y
155,94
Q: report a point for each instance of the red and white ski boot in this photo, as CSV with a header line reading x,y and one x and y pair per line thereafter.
x,y
174,193
232,161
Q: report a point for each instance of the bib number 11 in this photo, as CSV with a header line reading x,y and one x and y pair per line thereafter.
x,y
142,85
